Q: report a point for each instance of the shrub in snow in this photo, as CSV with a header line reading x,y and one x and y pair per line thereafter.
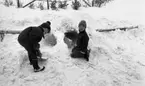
x,y
41,6
53,5
8,3
63,4
99,3
75,5
31,6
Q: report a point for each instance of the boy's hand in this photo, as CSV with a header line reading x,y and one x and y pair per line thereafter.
x,y
38,53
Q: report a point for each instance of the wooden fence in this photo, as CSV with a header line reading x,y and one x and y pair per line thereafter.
x,y
18,3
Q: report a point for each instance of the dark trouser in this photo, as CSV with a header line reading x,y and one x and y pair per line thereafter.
x,y
77,53
31,54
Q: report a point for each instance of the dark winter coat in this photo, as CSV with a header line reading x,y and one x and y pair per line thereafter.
x,y
81,51
31,36
82,41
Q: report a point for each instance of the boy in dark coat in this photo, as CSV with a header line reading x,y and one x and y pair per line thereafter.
x,y
29,38
80,50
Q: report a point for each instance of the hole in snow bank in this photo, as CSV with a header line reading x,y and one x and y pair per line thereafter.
x,y
68,42
50,40
70,38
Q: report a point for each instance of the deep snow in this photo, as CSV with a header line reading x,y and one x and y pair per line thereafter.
x,y
116,59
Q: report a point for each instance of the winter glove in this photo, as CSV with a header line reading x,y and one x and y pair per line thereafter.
x,y
38,52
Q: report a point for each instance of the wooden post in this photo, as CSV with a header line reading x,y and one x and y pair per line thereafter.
x,y
2,35
18,3
93,3
47,4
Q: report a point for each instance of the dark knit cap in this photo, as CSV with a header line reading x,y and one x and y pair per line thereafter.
x,y
83,23
46,25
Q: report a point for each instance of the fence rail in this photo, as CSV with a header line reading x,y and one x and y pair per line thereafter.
x,y
18,3
113,29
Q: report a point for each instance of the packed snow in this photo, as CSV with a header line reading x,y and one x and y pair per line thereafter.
x,y
117,58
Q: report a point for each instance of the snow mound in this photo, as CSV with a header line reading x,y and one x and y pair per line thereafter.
x,y
116,58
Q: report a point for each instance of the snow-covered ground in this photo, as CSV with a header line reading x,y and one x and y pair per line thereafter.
x,y
116,59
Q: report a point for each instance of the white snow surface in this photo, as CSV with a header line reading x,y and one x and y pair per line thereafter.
x,y
117,58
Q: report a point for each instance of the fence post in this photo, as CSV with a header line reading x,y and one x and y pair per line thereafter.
x,y
47,4
18,3
93,2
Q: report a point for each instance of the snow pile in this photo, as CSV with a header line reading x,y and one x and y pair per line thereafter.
x,y
131,10
120,10
116,58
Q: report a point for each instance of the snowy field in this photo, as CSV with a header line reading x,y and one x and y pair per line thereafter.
x,y
117,58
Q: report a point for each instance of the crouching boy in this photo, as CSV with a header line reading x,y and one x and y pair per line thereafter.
x,y
29,38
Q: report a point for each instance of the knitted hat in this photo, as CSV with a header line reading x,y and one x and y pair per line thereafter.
x,y
46,25
83,23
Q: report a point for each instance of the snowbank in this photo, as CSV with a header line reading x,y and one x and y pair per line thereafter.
x,y
116,58
120,10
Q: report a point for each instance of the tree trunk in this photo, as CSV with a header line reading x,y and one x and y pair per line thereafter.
x,y
93,3
18,3
47,4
